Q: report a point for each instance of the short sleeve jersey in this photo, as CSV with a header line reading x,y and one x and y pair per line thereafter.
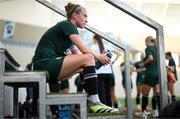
x,y
55,41
172,63
152,68
124,75
123,72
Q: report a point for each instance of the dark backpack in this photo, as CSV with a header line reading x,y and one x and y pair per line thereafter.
x,y
171,111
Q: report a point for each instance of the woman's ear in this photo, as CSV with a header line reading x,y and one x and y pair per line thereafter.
x,y
74,15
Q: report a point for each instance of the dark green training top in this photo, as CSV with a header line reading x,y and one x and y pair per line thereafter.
x,y
52,48
172,63
152,68
55,41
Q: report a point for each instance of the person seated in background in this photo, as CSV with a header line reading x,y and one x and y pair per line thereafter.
x,y
50,55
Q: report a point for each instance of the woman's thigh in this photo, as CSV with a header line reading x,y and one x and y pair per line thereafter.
x,y
139,89
156,89
145,89
73,63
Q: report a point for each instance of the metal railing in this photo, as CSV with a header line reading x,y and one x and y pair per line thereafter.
x,y
160,44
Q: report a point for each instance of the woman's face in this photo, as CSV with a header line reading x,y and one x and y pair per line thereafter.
x,y
147,42
81,18
94,41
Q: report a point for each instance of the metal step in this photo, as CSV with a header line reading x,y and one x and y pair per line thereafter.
x,y
108,117
71,98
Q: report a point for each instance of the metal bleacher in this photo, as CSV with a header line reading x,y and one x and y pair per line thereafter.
x,y
11,75
16,78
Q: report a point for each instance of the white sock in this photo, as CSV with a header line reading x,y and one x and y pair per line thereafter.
x,y
138,106
94,98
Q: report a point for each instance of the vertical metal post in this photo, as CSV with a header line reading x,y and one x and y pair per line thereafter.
x,y
162,67
179,61
83,108
42,97
2,67
2,62
15,101
128,84
1,98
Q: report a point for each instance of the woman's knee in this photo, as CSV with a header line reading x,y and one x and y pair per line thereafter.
x,y
88,59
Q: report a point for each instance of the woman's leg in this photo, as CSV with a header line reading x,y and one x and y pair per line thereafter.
x,y
155,100
113,95
108,89
168,90
138,98
171,90
101,89
71,64
145,92
157,94
114,98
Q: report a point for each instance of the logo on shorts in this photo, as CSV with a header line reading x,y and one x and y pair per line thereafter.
x,y
67,52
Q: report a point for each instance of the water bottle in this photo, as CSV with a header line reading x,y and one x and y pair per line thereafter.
x,y
65,112
99,64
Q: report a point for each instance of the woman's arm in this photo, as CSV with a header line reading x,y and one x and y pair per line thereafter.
x,y
148,61
118,54
76,39
171,68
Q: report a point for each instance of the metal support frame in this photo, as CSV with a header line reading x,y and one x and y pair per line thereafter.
x,y
128,85
20,79
160,44
27,79
1,100
2,65
2,62
81,99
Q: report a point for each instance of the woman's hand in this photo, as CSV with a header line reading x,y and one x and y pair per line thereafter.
x,y
104,59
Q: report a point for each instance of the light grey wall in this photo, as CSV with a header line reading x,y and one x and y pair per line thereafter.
x,y
24,32
1,28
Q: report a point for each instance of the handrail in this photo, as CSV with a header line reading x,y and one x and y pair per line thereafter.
x,y
160,44
10,63
88,27
133,13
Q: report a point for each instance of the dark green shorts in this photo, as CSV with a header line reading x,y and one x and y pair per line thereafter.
x,y
151,80
139,81
51,65
64,84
